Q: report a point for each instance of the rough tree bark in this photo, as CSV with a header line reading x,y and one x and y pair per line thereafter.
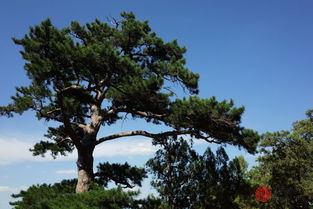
x,y
85,150
85,168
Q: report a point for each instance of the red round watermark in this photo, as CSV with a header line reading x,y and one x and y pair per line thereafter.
x,y
263,194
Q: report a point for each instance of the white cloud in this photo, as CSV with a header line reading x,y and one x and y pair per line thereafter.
x,y
12,189
14,150
17,150
66,172
125,148
5,189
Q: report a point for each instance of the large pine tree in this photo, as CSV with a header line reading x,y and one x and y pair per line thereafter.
x,y
88,76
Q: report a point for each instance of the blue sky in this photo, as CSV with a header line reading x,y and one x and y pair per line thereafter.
x,y
257,52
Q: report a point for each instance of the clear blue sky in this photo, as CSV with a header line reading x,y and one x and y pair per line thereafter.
x,y
260,53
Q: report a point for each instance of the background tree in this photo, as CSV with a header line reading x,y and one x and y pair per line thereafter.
x,y
288,155
172,175
89,76
286,167
186,179
255,177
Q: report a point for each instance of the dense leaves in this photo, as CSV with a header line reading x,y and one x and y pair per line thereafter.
x,y
120,174
285,165
62,196
186,179
288,155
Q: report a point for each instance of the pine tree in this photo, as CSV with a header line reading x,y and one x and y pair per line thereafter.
x,y
186,179
285,166
288,158
88,76
61,196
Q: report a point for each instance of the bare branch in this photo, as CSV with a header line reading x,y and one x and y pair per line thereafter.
x,y
64,139
80,125
78,87
136,112
145,114
73,87
151,135
142,133
53,111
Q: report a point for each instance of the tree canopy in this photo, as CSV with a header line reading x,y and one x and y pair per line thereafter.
x,y
89,76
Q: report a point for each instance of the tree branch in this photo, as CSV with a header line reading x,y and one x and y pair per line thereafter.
x,y
117,181
136,112
53,111
47,115
73,87
80,125
78,87
159,135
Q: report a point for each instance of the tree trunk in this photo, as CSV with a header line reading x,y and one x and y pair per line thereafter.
x,y
85,168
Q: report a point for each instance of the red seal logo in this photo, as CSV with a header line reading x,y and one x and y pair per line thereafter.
x,y
263,194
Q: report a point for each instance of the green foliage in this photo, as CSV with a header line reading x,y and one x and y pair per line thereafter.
x,y
60,146
255,177
219,120
152,202
186,179
121,174
286,167
35,194
61,196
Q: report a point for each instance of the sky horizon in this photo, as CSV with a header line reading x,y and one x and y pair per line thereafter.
x,y
258,53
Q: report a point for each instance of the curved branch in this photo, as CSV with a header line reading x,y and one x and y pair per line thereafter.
x,y
151,135
59,119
